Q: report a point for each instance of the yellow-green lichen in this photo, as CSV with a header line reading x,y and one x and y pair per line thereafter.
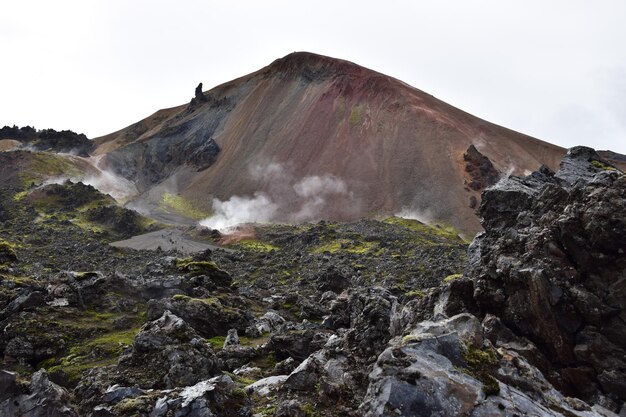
x,y
256,246
345,245
176,204
415,294
99,351
435,230
356,116
452,277
195,268
603,166
7,252
480,366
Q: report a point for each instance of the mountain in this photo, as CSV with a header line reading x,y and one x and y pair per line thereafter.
x,y
311,137
105,312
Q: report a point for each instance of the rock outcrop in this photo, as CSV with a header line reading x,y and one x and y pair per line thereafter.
x,y
481,172
551,265
41,398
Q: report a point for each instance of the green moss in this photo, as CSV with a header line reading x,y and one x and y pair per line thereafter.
x,y
20,196
256,246
481,363
415,294
7,252
436,230
134,406
217,342
20,281
196,268
490,385
345,245
452,277
603,166
80,276
265,362
241,379
110,344
409,339
211,300
252,342
99,351
44,165
310,410
479,357
356,116
176,204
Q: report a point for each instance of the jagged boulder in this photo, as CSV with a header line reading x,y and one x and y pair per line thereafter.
x,y
207,398
448,368
481,171
373,320
551,265
172,353
41,398
209,316
199,96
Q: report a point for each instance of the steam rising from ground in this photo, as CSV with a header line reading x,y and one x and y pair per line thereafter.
x,y
99,178
288,199
424,216
236,210
108,183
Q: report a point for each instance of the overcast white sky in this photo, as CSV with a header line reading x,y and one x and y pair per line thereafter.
x,y
553,69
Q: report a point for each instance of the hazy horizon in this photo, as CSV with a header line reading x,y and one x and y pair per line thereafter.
x,y
553,70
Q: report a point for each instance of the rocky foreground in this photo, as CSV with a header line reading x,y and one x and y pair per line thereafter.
x,y
374,318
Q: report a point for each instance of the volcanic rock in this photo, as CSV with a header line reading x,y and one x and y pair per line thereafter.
x,y
41,399
168,352
551,264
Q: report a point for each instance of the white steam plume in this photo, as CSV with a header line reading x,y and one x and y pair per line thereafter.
x,y
424,216
287,199
314,192
313,186
108,183
236,210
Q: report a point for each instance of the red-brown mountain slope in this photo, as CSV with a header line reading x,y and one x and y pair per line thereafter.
x,y
318,137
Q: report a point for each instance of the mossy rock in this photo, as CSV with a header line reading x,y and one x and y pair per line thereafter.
x,y
7,252
195,268
481,365
452,277
256,246
99,351
415,294
603,166
82,276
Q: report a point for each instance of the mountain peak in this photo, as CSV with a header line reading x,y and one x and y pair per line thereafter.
x,y
312,65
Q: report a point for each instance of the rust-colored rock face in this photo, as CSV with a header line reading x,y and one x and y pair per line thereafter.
x,y
308,118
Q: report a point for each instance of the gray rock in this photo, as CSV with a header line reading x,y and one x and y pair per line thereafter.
x,y
232,339
444,368
551,266
8,384
264,386
43,399
117,393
